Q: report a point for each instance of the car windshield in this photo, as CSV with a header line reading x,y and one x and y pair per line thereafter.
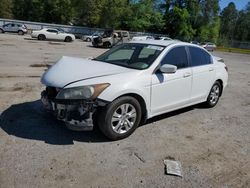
x,y
132,55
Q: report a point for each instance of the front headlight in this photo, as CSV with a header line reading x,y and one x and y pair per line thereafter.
x,y
82,92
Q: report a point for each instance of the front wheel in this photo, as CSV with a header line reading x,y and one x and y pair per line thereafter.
x,y
41,37
120,118
106,45
214,95
20,32
68,39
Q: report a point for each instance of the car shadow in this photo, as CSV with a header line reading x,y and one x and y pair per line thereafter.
x,y
170,114
30,121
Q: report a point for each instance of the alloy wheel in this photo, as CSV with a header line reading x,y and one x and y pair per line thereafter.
x,y
123,118
214,94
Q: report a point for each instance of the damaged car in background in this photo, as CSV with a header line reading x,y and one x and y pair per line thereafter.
x,y
111,38
131,83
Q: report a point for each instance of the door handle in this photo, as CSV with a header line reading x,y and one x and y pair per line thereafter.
x,y
187,74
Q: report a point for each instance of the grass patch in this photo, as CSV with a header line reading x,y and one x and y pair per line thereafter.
x,y
233,50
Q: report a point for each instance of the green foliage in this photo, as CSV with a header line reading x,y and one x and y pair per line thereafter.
x,y
178,24
143,16
6,8
242,29
183,19
228,21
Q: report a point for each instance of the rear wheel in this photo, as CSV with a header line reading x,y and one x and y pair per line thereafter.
x,y
20,32
88,39
214,95
1,31
120,118
41,37
68,39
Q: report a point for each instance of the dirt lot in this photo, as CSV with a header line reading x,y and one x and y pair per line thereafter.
x,y
213,145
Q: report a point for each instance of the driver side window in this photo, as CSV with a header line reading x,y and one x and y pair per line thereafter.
x,y
176,56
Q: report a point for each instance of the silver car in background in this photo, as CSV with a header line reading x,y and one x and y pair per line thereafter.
x,y
14,28
89,38
209,46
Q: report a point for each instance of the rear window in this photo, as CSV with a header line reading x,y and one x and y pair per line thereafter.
x,y
199,57
125,34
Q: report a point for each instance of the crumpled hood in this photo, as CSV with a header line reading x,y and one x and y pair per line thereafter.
x,y
70,69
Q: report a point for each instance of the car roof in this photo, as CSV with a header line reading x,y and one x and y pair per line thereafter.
x,y
50,28
165,43
120,31
157,42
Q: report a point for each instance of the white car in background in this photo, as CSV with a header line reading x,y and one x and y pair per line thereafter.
x,y
52,34
209,46
139,38
131,83
89,38
163,38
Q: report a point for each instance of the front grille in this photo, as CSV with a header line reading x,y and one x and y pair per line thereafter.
x,y
51,92
97,40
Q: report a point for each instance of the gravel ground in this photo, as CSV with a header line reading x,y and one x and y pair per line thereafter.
x,y
213,145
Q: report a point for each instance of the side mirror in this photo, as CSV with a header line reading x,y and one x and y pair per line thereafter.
x,y
167,68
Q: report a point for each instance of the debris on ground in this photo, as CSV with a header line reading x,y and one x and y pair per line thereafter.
x,y
173,167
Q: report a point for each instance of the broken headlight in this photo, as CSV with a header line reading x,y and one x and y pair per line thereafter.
x,y
82,92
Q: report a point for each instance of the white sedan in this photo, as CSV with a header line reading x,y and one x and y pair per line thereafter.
x,y
52,34
131,83
209,46
140,38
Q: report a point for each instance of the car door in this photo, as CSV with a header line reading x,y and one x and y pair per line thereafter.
x,y
203,73
7,27
52,34
13,28
172,91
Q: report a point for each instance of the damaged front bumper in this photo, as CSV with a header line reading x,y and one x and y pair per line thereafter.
x,y
77,114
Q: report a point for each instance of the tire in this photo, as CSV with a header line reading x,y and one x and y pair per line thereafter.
x,y
120,118
20,32
1,31
214,95
68,39
88,39
106,45
41,37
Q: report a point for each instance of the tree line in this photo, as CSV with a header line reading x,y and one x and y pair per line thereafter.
x,y
200,20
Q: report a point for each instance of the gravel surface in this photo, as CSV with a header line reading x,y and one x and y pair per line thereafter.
x,y
213,145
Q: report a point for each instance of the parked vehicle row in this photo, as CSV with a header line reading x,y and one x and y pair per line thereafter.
x,y
107,39
131,83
